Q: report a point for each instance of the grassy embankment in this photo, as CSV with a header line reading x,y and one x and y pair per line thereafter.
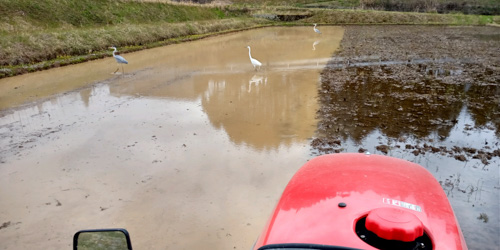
x,y
475,7
41,34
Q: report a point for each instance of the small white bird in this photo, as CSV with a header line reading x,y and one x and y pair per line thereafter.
x,y
316,30
119,59
255,62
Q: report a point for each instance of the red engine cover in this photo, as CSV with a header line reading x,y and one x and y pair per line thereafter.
x,y
328,195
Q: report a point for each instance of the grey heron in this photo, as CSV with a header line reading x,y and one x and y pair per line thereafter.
x,y
119,59
316,30
255,62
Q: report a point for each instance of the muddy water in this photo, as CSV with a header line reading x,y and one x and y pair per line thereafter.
x,y
188,149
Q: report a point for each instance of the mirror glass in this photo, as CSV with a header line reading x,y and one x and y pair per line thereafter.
x,y
105,239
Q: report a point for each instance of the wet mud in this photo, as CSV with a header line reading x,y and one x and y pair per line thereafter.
x,y
190,148
426,94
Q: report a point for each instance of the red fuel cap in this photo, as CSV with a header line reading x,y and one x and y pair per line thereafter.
x,y
394,224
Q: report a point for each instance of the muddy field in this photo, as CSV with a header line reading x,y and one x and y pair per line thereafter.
x,y
408,80
190,147
431,95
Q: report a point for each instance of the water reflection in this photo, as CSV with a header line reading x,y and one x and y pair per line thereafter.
x,y
256,81
265,112
265,109
33,87
436,113
315,43
371,99
483,102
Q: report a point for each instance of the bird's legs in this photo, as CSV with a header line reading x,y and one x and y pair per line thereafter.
x,y
118,68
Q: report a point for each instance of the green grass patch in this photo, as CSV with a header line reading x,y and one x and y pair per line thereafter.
x,y
85,13
35,31
360,16
41,34
70,47
475,7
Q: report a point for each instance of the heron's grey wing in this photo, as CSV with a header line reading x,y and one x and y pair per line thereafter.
x,y
120,59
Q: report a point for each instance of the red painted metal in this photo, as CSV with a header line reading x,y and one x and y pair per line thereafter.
x,y
309,210
394,224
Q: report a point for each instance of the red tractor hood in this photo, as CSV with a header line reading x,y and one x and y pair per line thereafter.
x,y
330,194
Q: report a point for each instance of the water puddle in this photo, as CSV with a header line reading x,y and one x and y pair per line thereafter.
x,y
188,149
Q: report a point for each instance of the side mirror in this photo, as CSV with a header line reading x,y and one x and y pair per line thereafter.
x,y
95,239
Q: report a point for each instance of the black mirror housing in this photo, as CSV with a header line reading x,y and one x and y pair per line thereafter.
x,y
113,238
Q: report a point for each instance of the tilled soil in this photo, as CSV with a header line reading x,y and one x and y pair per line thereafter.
x,y
411,81
430,95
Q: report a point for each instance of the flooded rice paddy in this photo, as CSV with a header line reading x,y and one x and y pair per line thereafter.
x,y
191,147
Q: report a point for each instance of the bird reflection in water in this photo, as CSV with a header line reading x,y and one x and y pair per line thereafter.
x,y
315,43
256,80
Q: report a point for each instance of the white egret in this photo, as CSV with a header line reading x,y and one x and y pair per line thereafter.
x,y
255,62
119,59
316,30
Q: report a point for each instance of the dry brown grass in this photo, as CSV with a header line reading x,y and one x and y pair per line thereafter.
x,y
389,17
496,19
63,44
215,3
27,40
